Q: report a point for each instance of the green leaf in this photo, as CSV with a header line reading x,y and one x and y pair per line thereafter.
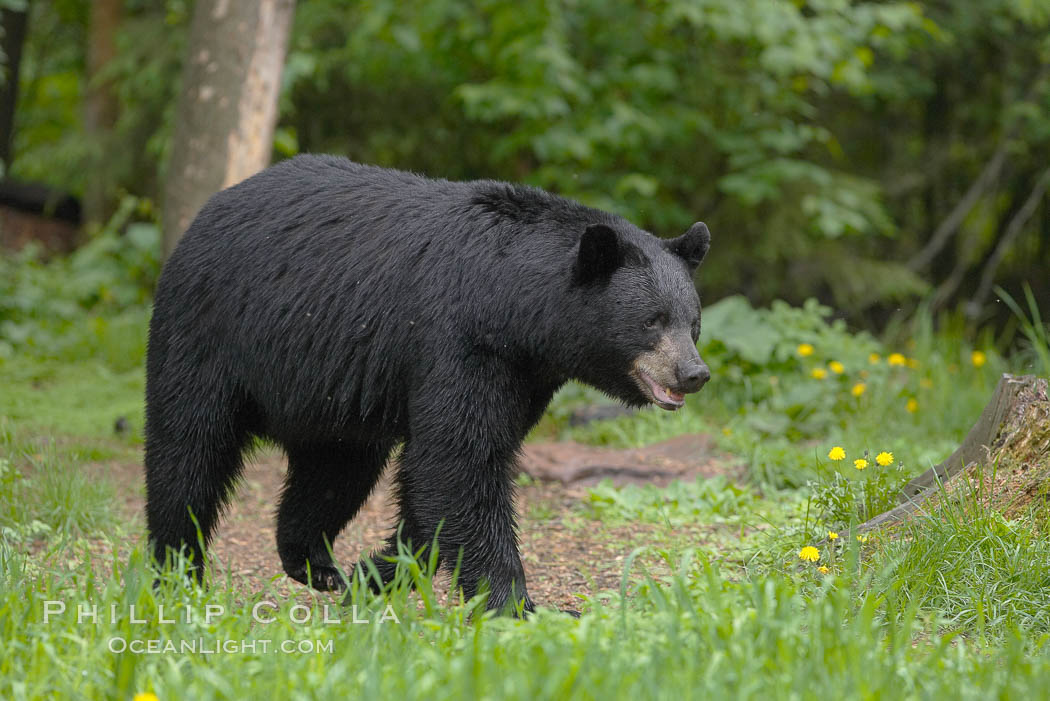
x,y
741,329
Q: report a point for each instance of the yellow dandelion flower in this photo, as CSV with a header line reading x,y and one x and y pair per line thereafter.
x,y
884,458
912,363
832,535
819,373
144,696
837,453
823,570
897,359
978,358
727,431
809,553
858,389
926,383
837,367
874,358
862,538
912,406
860,463
805,350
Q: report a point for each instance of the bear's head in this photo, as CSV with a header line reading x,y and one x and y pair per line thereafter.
x,y
638,291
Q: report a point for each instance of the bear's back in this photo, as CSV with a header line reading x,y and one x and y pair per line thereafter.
x,y
346,281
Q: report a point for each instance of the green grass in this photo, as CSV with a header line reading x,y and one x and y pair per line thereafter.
x,y
46,492
71,399
992,575
693,633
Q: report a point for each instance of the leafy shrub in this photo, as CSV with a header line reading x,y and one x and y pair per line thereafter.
x,y
92,303
789,368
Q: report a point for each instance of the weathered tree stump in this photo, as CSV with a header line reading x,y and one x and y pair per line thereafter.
x,y
1014,425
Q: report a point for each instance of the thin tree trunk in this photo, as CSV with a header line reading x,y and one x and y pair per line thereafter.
x,y
100,106
985,180
947,228
13,25
227,108
1013,230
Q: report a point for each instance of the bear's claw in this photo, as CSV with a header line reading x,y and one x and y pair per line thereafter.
x,y
320,577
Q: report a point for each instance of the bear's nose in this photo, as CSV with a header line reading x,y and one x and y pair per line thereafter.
x,y
694,376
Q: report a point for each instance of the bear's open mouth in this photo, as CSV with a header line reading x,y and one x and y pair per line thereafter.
x,y
663,397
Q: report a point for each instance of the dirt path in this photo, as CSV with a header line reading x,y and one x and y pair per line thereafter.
x,y
565,552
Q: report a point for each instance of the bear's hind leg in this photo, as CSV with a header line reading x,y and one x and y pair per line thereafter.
x,y
325,487
190,473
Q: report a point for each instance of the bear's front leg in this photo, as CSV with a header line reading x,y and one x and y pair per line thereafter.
x,y
456,471
464,496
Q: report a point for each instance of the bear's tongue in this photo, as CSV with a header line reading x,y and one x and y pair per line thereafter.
x,y
663,395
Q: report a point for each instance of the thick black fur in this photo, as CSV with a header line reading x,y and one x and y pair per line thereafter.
x,y
340,310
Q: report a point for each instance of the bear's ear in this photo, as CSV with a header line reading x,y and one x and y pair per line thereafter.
x,y
692,245
599,255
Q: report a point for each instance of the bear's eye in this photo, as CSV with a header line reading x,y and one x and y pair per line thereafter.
x,y
655,322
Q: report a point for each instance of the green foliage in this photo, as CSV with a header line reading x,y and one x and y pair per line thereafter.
x,y
51,145
77,398
757,354
90,304
848,496
704,500
51,91
766,405
73,329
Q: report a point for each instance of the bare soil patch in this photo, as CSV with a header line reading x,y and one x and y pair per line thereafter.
x,y
565,553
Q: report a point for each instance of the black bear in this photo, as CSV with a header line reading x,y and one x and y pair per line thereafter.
x,y
340,310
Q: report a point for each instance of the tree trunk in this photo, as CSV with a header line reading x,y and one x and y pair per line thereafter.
x,y
227,108
100,107
13,26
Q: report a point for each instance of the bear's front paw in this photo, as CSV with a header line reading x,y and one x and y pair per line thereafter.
x,y
320,577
